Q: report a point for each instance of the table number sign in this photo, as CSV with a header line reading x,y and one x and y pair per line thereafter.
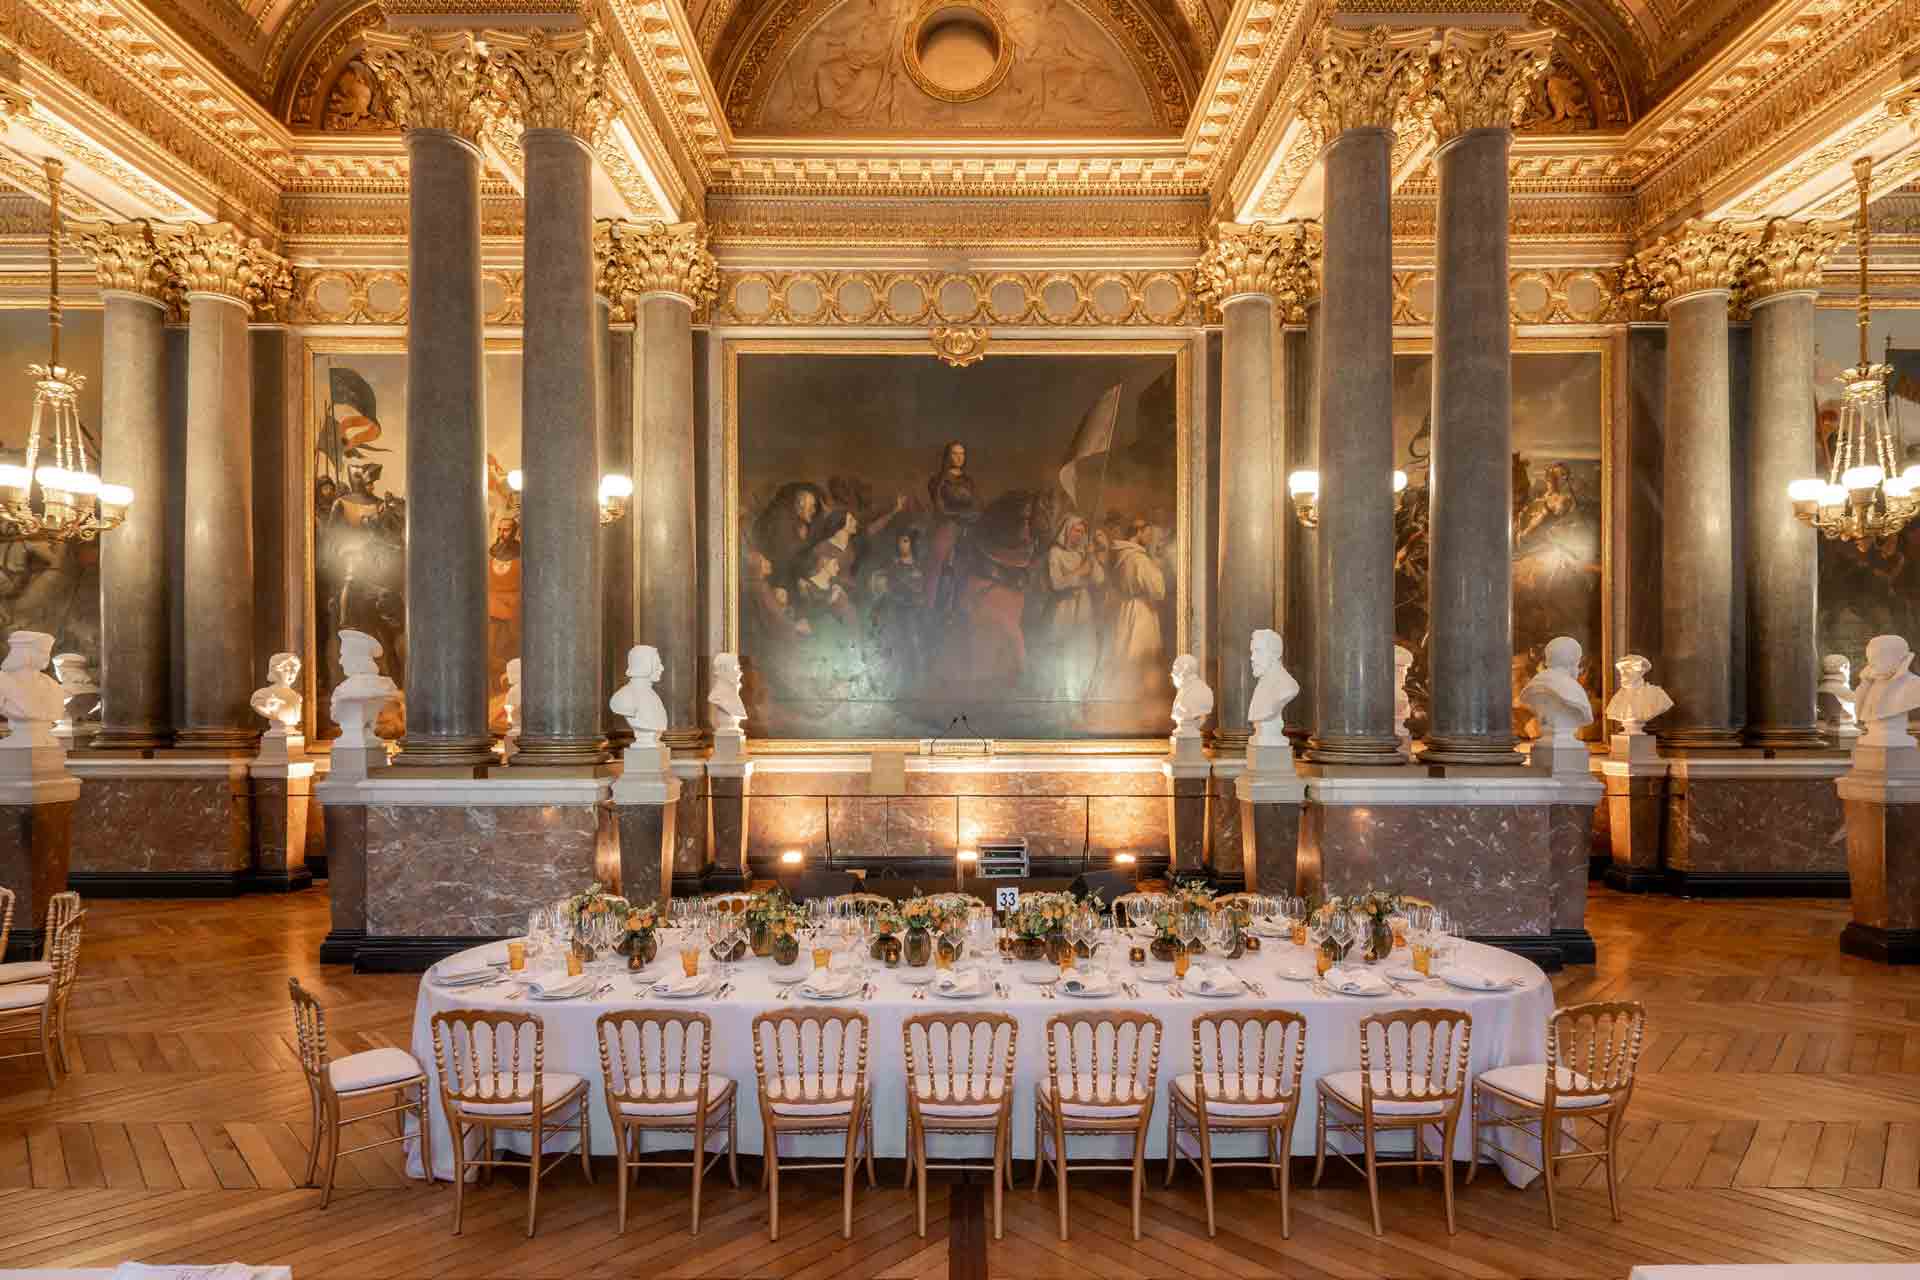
x,y
1006,898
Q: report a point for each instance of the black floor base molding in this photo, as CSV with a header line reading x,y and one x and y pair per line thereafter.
x,y
1576,946
408,955
1758,884
341,945
185,884
1543,950
1635,879
1883,946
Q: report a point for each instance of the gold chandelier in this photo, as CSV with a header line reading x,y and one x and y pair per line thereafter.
x,y
73,506
1867,494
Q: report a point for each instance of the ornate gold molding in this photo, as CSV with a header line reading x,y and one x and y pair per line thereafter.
x,y
437,80
1482,77
657,257
126,257
1698,257
735,223
553,79
1361,79
331,295
1791,257
959,345
926,299
218,258
1569,295
1280,261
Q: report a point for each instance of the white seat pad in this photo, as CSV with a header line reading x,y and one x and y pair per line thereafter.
x,y
938,1096
798,1096
719,1091
1529,1081
1222,1087
26,971
1120,1099
23,995
555,1088
372,1069
1347,1085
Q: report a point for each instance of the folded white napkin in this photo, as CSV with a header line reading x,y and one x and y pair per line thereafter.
x,y
681,984
954,981
558,988
1467,974
829,984
466,973
1353,981
1211,978
1079,984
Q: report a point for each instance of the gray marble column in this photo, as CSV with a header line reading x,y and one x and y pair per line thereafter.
x,y
1782,556
135,635
1301,355
616,540
1248,504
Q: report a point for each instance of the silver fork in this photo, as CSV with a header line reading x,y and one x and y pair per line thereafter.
x,y
786,992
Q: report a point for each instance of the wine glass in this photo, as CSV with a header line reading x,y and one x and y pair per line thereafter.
x,y
1340,928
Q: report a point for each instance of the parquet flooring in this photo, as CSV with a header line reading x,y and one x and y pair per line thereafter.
x,y
1777,1120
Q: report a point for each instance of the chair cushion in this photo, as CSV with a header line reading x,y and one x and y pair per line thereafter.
x,y
1346,1084
936,1095
719,1090
26,971
1222,1086
23,995
1112,1105
1529,1081
557,1088
793,1095
372,1069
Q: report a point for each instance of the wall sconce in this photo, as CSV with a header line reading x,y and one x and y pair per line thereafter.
x,y
792,858
1124,859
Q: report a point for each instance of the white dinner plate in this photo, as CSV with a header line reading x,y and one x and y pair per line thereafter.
x,y
701,988
788,974
1466,981
973,993
837,993
916,977
569,994
1101,992
1161,976
1299,970
1225,992
1363,992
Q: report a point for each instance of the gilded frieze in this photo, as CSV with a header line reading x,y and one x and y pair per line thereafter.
x,y
1573,295
927,299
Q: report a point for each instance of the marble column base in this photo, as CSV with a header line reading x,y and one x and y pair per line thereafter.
x,y
646,849
1748,826
282,794
345,818
1270,806
1187,816
36,846
1636,816
728,833
176,825
1883,863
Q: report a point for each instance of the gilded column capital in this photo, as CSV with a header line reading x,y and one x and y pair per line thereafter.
x,y
1280,261
1790,258
126,257
272,297
1361,78
552,79
433,80
217,258
1698,257
662,257
1482,77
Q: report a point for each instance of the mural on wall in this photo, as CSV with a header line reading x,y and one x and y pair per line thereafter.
x,y
1559,432
358,403
52,586
1875,589
918,543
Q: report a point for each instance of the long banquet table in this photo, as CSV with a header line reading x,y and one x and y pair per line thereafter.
x,y
1509,1027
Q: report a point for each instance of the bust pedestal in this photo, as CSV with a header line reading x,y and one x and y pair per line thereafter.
x,y
1187,811
1636,789
729,782
1270,795
37,796
646,798
1881,797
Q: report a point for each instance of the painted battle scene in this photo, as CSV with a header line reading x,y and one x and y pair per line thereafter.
x,y
919,543
360,519
1558,416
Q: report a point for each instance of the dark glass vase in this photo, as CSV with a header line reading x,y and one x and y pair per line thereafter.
x,y
919,948
786,948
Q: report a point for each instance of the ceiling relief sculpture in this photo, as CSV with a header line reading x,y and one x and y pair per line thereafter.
x,y
882,67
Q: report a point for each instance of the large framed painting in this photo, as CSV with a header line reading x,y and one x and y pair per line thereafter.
x,y
917,551
357,437
1562,439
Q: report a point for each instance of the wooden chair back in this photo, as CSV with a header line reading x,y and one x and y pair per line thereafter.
x,y
64,954
954,1058
655,1055
489,1057
1421,1053
309,1033
1599,1045
63,909
815,1055
1255,1056
1112,1057
6,918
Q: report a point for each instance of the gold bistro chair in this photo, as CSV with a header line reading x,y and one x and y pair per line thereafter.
x,y
653,1086
1593,1051
1112,1071
1246,1080
960,1082
817,1085
62,910
331,1080
39,1009
486,1083
1403,1093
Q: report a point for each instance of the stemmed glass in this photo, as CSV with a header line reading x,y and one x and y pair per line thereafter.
x,y
1341,930
1188,927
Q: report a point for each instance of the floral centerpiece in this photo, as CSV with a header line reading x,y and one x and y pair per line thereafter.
x,y
887,928
641,945
785,929
923,917
1186,899
591,914
1039,924
764,909
1375,909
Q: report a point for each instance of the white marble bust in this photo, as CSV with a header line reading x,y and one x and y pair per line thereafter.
x,y
279,701
360,698
1888,692
1834,694
636,702
1192,698
29,698
1556,696
1402,704
729,712
1635,702
1274,687
75,675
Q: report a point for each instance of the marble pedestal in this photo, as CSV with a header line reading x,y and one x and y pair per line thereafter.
x,y
282,796
729,783
1269,804
1636,819
170,824
1187,787
1883,861
1745,824
646,803
690,852
1226,841
36,847
345,809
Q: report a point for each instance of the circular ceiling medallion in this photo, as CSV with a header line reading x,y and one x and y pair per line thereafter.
x,y
958,50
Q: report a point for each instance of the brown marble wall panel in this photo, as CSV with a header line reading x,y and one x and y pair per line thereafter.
x,y
1224,854
279,808
1123,824
1755,826
893,826
1042,782
317,837
473,871
690,852
1570,835
136,824
1271,854
728,830
777,823
1637,820
1054,826
1489,864
1186,808
36,841
346,826
769,782
646,851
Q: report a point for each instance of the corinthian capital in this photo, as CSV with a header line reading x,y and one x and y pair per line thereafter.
x,y
1481,78
669,258
1279,261
1360,78
1790,258
216,257
434,80
1698,257
126,257
552,79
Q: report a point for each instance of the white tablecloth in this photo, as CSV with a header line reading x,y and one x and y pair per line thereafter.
x,y
1509,1026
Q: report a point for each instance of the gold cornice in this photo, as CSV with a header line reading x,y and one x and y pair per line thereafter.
x,y
125,257
1700,256
552,79
1481,78
654,257
433,80
219,258
1791,257
1362,79
742,223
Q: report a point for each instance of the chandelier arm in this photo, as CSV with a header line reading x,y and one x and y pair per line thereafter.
x,y
1863,178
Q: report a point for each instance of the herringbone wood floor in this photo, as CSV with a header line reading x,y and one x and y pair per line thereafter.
x,y
1778,1120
